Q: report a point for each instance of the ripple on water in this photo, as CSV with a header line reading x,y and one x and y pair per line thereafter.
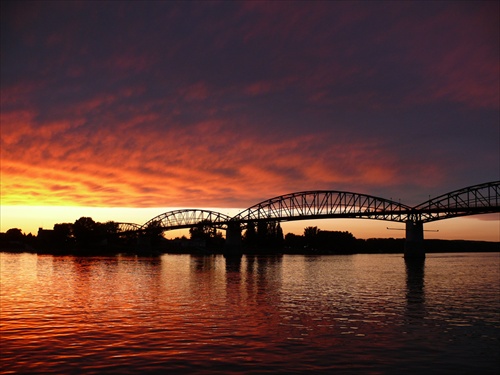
x,y
349,314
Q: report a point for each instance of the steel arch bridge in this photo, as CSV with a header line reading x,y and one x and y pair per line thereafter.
x,y
323,205
128,227
472,200
186,218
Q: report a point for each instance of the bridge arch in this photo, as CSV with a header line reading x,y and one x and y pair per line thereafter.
x,y
186,218
128,227
323,204
472,200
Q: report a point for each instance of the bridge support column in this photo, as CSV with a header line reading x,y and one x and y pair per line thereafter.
x,y
233,240
144,244
414,244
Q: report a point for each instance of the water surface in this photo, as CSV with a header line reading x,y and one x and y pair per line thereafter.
x,y
286,314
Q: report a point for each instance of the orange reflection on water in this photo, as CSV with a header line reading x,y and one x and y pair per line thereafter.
x,y
207,313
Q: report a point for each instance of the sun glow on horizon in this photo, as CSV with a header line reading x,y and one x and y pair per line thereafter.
x,y
30,218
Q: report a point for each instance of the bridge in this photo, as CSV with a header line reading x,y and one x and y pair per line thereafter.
x,y
327,204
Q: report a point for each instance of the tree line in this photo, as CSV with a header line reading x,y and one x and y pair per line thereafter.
x,y
88,237
84,234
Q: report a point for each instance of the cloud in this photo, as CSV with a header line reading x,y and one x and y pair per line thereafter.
x,y
207,163
455,49
226,104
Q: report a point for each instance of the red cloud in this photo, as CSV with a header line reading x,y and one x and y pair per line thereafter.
x,y
207,164
127,123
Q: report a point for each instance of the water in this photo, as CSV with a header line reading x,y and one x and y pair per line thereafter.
x,y
291,314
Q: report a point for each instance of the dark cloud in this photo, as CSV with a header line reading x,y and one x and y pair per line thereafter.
x,y
223,103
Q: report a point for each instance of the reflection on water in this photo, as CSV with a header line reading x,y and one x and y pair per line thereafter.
x,y
252,314
415,292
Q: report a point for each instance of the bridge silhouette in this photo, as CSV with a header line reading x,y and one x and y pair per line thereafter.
x,y
328,204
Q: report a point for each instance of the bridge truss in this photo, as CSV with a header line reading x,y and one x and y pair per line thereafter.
x,y
478,199
187,218
325,204
472,200
128,227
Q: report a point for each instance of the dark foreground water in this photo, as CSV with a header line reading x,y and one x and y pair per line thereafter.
x,y
292,314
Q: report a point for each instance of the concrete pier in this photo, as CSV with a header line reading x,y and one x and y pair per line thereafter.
x,y
414,244
233,240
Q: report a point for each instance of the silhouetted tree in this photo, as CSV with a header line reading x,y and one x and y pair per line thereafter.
x,y
30,240
62,235
250,236
107,232
261,233
336,242
84,230
205,231
154,227
274,237
294,243
269,236
279,236
14,234
311,232
271,231
153,234
13,239
110,227
202,231
311,236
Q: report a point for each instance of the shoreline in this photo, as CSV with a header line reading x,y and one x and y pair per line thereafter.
x,y
369,246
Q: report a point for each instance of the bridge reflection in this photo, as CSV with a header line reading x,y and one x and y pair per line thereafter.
x,y
415,288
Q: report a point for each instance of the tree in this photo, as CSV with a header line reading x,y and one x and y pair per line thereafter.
x,y
269,235
336,242
84,230
279,236
109,228
250,236
294,242
311,236
261,233
14,234
106,231
153,234
311,232
62,235
154,227
204,230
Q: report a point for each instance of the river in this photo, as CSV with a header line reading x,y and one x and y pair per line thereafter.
x,y
288,314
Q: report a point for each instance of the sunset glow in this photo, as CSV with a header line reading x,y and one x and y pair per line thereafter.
x,y
124,110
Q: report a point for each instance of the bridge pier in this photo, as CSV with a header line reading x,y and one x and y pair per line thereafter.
x,y
414,244
233,240
144,244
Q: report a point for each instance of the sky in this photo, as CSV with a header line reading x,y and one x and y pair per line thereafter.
x,y
123,110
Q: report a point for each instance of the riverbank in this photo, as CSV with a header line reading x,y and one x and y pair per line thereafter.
x,y
359,246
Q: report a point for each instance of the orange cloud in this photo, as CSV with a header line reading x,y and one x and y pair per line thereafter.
x,y
207,164
264,101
